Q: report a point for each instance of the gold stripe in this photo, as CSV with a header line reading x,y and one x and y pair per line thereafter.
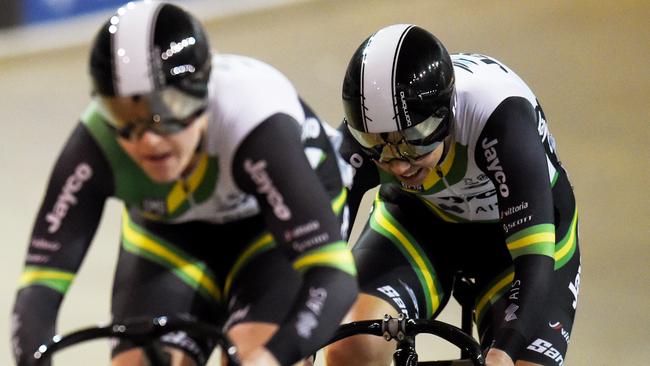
x,y
264,240
496,288
571,242
321,258
31,276
178,193
339,201
415,255
532,239
197,175
175,197
432,178
148,244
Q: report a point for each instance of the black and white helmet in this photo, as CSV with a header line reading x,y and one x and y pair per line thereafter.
x,y
151,62
398,90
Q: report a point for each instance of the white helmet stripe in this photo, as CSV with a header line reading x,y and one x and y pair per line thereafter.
x,y
132,32
378,104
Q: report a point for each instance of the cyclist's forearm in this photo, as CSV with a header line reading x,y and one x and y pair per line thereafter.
x,y
322,303
526,299
33,320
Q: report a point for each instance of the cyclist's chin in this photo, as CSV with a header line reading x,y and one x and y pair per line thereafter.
x,y
163,172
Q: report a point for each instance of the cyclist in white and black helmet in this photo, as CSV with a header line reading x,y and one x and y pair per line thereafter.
x,y
233,196
469,182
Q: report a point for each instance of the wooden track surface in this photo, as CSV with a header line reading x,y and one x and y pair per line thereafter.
x,y
586,61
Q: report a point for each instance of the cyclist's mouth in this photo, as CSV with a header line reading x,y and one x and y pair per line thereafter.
x,y
157,158
414,177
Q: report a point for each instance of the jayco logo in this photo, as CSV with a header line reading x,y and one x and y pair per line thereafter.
x,y
258,174
67,197
493,165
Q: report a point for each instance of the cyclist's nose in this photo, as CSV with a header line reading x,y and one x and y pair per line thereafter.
x,y
398,166
149,137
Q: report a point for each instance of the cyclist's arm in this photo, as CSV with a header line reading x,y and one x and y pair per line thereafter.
x,y
62,231
511,153
366,173
271,164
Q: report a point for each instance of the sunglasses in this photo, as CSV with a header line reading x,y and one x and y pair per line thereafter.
x,y
164,112
410,144
133,130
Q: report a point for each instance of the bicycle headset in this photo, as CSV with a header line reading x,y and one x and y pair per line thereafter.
x,y
398,93
150,65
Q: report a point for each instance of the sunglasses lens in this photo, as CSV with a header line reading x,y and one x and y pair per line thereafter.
x,y
164,111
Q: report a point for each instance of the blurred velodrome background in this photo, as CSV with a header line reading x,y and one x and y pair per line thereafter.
x,y
587,62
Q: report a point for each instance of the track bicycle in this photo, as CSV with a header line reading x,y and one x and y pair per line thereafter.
x,y
143,332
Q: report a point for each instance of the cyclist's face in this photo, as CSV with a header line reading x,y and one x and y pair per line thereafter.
x,y
414,172
165,158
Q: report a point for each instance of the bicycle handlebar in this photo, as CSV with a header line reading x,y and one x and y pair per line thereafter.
x,y
400,328
141,331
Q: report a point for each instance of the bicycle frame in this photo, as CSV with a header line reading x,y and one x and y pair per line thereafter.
x,y
142,332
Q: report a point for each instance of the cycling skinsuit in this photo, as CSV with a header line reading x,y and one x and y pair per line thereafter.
x,y
240,238
498,207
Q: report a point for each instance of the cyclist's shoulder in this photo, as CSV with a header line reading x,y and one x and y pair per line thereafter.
x,y
486,81
242,78
245,91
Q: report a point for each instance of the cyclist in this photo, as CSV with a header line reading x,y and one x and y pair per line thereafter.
x,y
469,181
233,191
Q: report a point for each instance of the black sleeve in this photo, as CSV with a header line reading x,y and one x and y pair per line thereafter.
x,y
366,173
271,164
69,214
511,153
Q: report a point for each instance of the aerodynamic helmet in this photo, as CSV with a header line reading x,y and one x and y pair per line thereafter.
x,y
150,65
398,90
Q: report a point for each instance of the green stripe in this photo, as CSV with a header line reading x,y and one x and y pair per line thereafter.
x,y
130,179
375,225
261,244
208,182
336,255
456,171
554,180
539,248
536,229
497,293
339,201
567,240
53,278
136,249
570,238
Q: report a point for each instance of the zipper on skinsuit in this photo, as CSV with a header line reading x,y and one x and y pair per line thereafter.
x,y
188,193
462,196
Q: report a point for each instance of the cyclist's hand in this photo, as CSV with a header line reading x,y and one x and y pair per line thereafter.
x,y
496,357
260,357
